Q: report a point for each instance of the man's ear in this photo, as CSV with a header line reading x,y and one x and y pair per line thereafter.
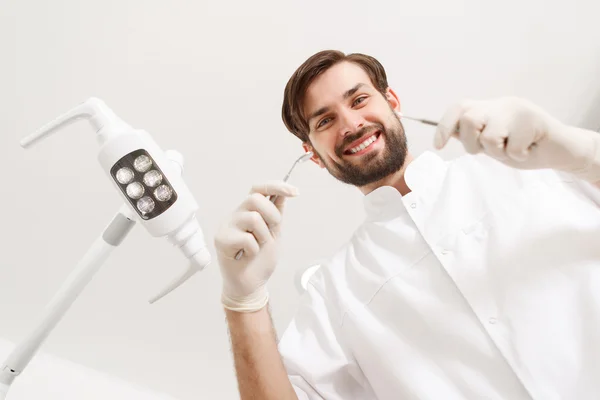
x,y
315,158
392,99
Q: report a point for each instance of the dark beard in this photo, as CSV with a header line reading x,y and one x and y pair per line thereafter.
x,y
374,167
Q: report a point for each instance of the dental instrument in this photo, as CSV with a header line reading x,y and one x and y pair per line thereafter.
x,y
301,159
457,130
150,182
423,121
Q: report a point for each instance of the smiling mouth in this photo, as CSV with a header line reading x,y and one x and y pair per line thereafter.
x,y
364,144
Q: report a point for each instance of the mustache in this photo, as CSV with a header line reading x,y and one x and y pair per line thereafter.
x,y
364,131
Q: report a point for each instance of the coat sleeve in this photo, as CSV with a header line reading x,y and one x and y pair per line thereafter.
x,y
319,366
587,189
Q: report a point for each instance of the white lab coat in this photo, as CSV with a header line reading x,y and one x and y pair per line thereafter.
x,y
482,283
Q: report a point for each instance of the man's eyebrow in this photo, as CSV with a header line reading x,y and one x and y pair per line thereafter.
x,y
347,94
353,90
317,113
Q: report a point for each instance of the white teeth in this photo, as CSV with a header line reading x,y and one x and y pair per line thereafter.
x,y
363,144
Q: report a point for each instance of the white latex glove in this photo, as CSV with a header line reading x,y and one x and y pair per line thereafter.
x,y
254,227
521,135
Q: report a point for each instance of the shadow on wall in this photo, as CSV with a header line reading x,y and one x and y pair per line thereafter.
x,y
591,116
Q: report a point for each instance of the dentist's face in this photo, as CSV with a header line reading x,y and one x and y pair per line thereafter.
x,y
354,130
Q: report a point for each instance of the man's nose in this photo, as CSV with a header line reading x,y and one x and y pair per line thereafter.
x,y
350,122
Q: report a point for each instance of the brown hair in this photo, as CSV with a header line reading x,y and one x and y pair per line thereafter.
x,y
295,90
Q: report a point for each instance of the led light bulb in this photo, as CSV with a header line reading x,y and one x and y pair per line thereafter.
x,y
153,178
145,205
124,176
135,190
163,193
142,163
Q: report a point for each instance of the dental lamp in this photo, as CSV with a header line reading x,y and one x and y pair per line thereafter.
x,y
150,182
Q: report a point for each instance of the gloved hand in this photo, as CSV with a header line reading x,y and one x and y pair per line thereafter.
x,y
255,228
521,135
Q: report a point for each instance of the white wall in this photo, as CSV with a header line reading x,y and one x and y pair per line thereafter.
x,y
206,78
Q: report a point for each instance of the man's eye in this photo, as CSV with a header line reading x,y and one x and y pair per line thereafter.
x,y
323,122
359,100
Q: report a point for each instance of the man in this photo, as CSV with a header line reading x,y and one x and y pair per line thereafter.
x,y
477,278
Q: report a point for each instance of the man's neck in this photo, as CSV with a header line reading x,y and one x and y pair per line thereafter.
x,y
395,180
